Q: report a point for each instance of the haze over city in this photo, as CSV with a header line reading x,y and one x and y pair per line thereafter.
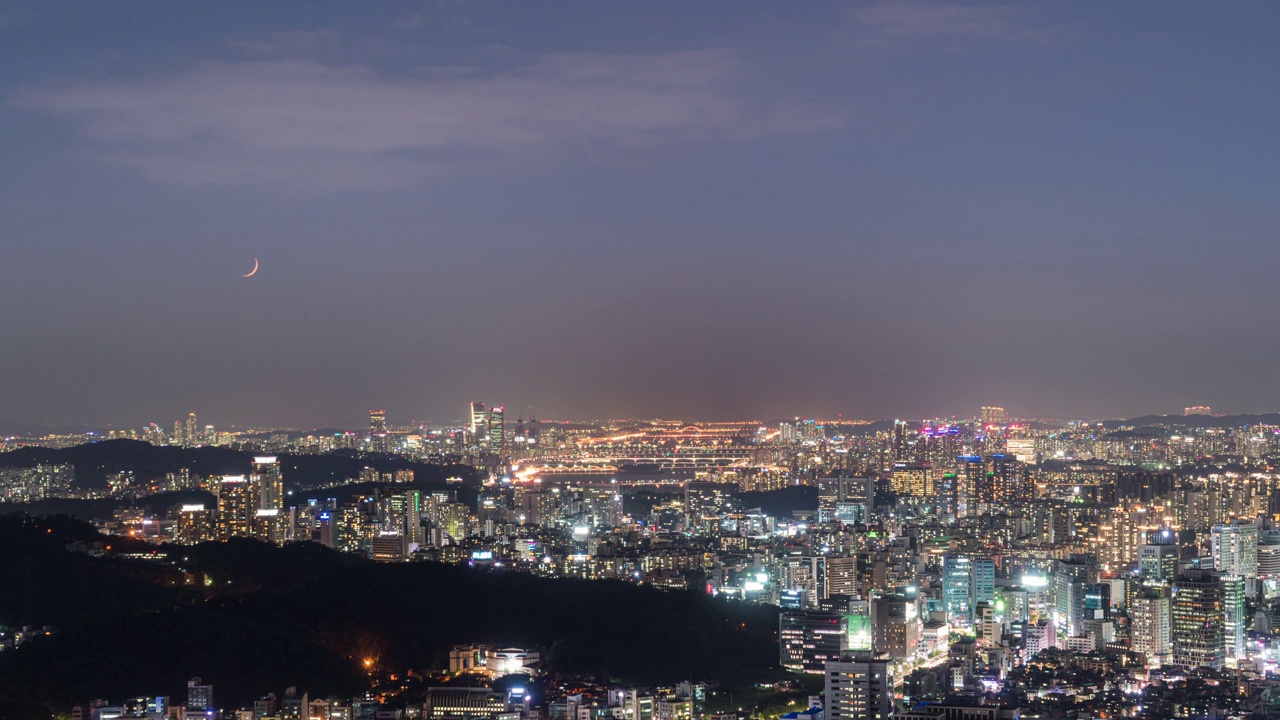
x,y
661,210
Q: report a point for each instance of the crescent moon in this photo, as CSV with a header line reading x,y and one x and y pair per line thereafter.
x,y
254,270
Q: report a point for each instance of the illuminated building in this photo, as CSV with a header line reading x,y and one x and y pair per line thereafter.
x,y
388,546
895,626
497,431
194,524
1158,559
199,697
1234,621
479,414
903,442
992,415
459,702
377,422
266,473
1198,621
237,506
192,434
1235,548
1149,629
858,688
966,582
808,639
846,499
860,635
842,576
913,481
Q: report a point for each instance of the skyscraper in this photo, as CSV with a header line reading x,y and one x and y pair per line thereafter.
x,y
1149,630
377,422
192,434
479,422
956,597
1198,620
1158,559
1233,618
858,688
266,474
992,415
1235,548
497,431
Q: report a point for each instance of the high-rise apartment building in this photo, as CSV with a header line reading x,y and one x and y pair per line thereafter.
x,y
238,500
1150,632
992,415
1235,548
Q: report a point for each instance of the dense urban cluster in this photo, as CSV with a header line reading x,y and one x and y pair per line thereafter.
x,y
976,568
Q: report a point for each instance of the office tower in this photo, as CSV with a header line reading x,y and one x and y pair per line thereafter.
x,y
1070,581
913,481
895,626
957,578
1233,617
1158,559
238,500
1269,556
388,546
497,431
858,688
982,585
808,574
842,576
199,698
192,434
479,422
1198,621
1149,629
966,581
1235,548
377,422
992,415
859,630
808,639
845,499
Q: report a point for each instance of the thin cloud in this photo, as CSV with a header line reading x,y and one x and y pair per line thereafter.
x,y
304,124
882,23
288,43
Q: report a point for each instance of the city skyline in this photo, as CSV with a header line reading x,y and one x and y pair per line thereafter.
x,y
881,209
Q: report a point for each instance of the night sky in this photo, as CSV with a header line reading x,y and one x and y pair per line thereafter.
x,y
695,210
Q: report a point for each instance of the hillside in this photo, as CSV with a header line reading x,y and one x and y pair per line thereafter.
x,y
254,618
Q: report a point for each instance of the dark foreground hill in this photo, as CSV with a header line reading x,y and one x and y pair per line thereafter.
x,y
254,618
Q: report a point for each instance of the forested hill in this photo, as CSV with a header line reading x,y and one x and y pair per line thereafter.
x,y
254,618
95,461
